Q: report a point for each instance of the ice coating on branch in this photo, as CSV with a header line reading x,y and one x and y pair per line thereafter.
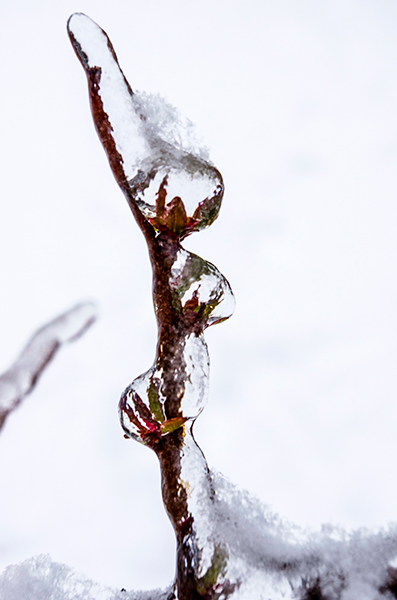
x,y
21,377
143,408
201,296
197,281
228,545
149,149
119,103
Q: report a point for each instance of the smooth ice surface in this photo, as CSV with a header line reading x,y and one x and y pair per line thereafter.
x,y
118,101
196,285
142,405
194,479
195,354
194,277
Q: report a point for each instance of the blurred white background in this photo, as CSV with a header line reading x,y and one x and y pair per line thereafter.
x,y
297,103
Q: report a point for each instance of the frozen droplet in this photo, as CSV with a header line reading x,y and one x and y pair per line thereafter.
x,y
200,286
144,411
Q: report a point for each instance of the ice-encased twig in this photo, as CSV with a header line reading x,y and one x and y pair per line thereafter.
x,y
160,179
227,546
20,379
144,156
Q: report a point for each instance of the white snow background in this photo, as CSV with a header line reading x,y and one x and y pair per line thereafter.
x,y
297,102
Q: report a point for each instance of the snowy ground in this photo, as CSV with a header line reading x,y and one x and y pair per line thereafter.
x,y
297,103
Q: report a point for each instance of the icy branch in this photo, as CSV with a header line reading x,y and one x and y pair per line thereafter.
x,y
147,147
20,379
228,546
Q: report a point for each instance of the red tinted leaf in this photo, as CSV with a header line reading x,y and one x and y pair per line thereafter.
x,y
175,216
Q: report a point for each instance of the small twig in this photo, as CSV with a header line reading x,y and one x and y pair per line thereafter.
x,y
189,294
